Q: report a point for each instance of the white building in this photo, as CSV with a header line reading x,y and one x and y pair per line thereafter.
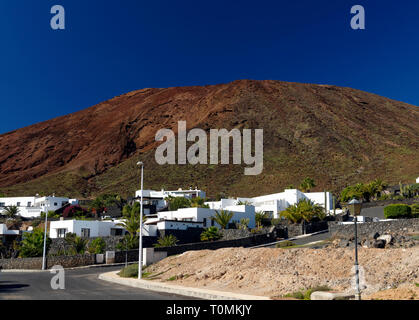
x,y
157,198
417,180
185,218
4,231
92,229
275,203
31,207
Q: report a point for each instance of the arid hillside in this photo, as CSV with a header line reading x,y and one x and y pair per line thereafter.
x,y
336,135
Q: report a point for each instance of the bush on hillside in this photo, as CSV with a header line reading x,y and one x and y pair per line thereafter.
x,y
415,210
397,211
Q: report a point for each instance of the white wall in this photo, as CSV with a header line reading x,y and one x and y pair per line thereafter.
x,y
97,228
199,214
31,207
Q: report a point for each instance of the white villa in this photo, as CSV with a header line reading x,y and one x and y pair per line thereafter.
x,y
185,218
157,198
277,202
92,229
31,207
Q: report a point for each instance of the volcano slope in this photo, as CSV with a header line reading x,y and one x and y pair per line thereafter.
x,y
338,136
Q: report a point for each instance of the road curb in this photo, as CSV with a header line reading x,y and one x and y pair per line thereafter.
x,y
176,289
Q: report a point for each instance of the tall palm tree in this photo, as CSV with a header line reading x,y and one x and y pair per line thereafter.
x,y
131,221
223,218
307,184
11,211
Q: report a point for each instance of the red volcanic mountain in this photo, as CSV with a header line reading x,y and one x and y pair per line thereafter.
x,y
336,135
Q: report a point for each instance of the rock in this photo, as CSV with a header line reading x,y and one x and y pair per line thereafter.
x,y
367,244
387,238
323,295
379,244
374,235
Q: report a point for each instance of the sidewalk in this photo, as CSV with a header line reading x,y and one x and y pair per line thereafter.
x,y
179,290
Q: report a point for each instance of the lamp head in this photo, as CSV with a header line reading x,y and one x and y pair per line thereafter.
x,y
355,207
140,163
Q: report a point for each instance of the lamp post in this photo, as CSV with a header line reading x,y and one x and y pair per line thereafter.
x,y
140,249
355,209
45,235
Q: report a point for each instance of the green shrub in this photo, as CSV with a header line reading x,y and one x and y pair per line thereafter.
x,y
415,210
306,294
51,215
131,271
166,241
97,246
210,234
397,211
33,244
285,244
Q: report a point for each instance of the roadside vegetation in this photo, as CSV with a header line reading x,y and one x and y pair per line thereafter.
x,y
306,294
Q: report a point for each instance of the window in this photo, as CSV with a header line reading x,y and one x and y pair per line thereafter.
x,y
116,232
61,233
29,204
18,204
2,204
85,233
204,222
55,204
212,223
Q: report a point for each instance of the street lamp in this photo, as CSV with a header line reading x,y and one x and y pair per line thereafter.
x,y
355,209
140,249
45,234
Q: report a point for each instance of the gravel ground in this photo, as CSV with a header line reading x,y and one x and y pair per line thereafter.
x,y
276,272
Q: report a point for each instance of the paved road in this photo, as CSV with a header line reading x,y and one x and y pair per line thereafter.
x,y
79,284
306,240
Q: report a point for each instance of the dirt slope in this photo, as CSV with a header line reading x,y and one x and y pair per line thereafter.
x,y
277,272
336,135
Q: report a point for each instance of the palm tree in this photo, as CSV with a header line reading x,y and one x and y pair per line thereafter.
x,y
291,213
78,244
198,202
259,217
307,185
11,211
223,218
166,241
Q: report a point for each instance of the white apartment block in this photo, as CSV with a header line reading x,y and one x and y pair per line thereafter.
x,y
31,207
275,203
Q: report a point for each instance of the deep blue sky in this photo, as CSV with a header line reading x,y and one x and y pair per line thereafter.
x,y
113,47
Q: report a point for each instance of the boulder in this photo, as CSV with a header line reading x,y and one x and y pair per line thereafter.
x,y
379,244
374,235
387,238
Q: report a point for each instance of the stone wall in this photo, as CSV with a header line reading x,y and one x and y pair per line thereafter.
x,y
214,245
36,263
59,245
399,227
